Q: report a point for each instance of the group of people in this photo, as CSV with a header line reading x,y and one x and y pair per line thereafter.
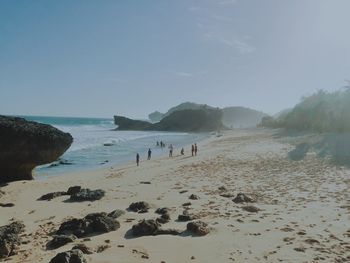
x,y
194,150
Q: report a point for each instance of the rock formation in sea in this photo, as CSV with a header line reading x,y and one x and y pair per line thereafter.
x,y
26,144
199,120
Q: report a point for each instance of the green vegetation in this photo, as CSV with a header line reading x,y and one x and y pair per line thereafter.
x,y
320,112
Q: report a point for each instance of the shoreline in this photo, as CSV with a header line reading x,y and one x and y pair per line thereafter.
x,y
300,205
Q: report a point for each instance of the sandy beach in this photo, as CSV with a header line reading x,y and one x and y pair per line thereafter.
x,y
303,207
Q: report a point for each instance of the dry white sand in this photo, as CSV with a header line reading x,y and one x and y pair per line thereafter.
x,y
304,217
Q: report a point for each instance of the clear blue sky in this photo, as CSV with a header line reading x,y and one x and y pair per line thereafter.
x,y
100,58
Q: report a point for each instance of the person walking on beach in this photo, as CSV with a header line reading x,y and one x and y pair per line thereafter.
x,y
137,159
195,149
182,151
149,154
192,149
171,150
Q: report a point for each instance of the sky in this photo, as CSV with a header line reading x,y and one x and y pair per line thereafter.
x,y
101,58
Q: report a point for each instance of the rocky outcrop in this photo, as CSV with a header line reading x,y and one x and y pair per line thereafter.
x,y
198,120
198,228
71,256
26,144
92,224
87,195
9,238
59,241
139,207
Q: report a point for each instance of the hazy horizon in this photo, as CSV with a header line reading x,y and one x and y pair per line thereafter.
x,y
98,59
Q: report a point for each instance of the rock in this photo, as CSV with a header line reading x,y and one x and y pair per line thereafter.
x,y
87,195
73,190
116,213
186,120
222,188
193,197
251,209
227,195
243,198
71,256
59,241
163,210
187,204
49,196
92,224
7,204
164,218
35,144
151,227
140,207
145,228
83,248
198,228
9,238
186,217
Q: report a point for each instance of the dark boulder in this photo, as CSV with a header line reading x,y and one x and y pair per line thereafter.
x,y
59,241
243,198
49,196
92,224
73,190
163,210
9,238
151,228
26,144
71,256
140,207
87,195
145,228
164,218
198,228
194,197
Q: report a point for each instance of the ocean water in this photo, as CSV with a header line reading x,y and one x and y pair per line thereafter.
x,y
88,150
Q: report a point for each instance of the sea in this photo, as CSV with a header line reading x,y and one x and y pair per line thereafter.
x,y
96,144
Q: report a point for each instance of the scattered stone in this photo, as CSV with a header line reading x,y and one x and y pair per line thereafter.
x,y
242,198
193,197
102,248
164,218
73,190
92,224
50,196
251,209
162,211
185,217
187,204
71,256
311,241
87,195
299,249
10,239
145,228
198,228
151,227
83,248
228,195
7,205
222,188
140,207
144,182
116,213
183,191
59,241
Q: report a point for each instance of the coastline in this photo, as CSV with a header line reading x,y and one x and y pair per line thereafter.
x,y
293,198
